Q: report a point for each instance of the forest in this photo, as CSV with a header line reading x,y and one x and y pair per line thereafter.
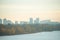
x,y
27,28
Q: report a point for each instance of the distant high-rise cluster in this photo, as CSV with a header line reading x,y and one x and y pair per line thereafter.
x,y
31,21
5,21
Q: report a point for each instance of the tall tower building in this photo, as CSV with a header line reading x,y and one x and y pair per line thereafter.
x,y
31,21
5,21
36,21
0,21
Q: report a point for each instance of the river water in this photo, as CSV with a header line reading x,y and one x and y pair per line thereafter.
x,y
54,35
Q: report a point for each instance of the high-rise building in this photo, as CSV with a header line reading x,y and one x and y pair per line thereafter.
x,y
36,21
0,21
31,21
5,21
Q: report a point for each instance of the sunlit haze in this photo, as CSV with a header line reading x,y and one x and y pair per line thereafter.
x,y
22,10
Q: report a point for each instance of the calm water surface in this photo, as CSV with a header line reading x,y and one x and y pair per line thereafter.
x,y
55,35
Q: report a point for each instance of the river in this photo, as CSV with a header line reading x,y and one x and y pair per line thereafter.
x,y
54,35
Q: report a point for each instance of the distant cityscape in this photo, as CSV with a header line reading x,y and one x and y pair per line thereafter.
x,y
7,27
31,21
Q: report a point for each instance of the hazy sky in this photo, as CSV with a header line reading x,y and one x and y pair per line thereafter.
x,y
24,9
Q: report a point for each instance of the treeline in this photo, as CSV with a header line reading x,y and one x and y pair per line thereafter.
x,y
27,28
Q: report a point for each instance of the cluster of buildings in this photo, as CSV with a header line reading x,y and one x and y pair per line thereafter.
x,y
5,21
31,21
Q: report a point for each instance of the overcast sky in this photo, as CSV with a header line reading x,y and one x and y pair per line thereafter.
x,y
24,9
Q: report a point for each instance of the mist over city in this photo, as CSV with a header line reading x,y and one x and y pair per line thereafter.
x,y
29,19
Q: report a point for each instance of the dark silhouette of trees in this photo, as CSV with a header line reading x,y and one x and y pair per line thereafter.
x,y
27,28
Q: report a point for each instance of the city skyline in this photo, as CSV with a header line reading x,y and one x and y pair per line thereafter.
x,y
30,21
22,10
